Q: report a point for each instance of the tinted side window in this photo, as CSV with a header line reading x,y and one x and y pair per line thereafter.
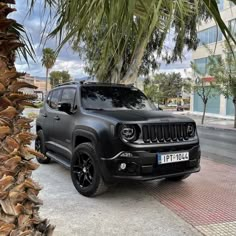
x,y
48,98
68,96
55,98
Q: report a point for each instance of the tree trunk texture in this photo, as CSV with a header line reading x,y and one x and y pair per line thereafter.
x,y
115,75
132,73
19,202
204,112
46,88
234,101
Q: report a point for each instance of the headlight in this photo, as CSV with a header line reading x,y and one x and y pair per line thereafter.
x,y
191,130
128,133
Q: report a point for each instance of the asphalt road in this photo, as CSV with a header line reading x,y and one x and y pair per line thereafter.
x,y
219,145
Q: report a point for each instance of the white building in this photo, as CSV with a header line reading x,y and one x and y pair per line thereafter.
x,y
209,34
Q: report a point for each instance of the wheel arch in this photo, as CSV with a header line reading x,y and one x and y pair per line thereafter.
x,y
84,136
38,127
90,135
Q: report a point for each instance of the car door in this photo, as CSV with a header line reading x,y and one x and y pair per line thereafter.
x,y
50,116
44,118
64,123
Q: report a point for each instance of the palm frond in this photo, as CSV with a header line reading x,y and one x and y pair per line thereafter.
x,y
49,4
76,17
28,49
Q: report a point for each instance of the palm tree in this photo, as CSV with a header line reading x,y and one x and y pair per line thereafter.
x,y
19,203
48,61
78,17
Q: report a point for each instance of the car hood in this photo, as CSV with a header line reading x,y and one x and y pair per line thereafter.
x,y
135,116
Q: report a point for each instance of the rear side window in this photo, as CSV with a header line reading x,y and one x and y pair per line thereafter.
x,y
55,98
49,98
68,96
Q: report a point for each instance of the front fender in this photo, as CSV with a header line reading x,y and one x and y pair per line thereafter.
x,y
87,133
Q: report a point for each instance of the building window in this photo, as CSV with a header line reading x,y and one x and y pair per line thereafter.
x,y
202,63
231,62
220,5
209,35
232,26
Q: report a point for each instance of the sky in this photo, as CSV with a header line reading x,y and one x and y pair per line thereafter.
x,y
67,59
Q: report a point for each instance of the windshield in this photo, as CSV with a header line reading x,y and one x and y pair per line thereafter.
x,y
113,98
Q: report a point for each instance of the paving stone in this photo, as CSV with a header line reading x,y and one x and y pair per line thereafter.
x,y
207,198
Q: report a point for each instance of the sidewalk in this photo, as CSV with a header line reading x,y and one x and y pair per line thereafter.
x,y
210,122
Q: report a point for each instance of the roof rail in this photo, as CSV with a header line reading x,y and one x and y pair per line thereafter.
x,y
67,83
104,83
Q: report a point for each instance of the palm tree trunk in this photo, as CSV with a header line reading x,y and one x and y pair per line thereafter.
x,y
46,87
19,202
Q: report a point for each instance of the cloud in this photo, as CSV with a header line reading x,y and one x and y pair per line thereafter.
x,y
169,45
34,24
184,64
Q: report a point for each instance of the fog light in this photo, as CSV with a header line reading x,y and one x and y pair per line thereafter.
x,y
126,154
122,166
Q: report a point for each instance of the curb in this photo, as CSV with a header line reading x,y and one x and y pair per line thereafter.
x,y
217,128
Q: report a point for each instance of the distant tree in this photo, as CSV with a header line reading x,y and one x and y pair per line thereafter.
x,y
59,77
164,86
151,90
204,89
223,69
48,61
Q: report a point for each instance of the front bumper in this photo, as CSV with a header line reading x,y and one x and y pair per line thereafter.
x,y
143,165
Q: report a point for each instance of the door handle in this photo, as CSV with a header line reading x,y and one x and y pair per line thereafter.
x,y
44,115
56,118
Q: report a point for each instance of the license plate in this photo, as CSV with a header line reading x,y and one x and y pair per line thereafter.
x,y
172,157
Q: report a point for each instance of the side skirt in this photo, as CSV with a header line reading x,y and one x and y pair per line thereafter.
x,y
58,158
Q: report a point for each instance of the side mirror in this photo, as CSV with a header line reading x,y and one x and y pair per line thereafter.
x,y
65,107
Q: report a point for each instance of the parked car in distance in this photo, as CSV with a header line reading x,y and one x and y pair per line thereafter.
x,y
105,133
183,107
171,104
37,101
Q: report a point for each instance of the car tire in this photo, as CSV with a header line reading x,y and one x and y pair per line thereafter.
x,y
179,177
40,146
85,172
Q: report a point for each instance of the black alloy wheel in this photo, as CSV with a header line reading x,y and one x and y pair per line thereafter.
x,y
38,144
85,172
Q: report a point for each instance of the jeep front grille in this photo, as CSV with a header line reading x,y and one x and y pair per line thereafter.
x,y
161,133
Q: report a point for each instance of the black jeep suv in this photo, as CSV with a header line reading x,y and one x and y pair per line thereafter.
x,y
107,132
